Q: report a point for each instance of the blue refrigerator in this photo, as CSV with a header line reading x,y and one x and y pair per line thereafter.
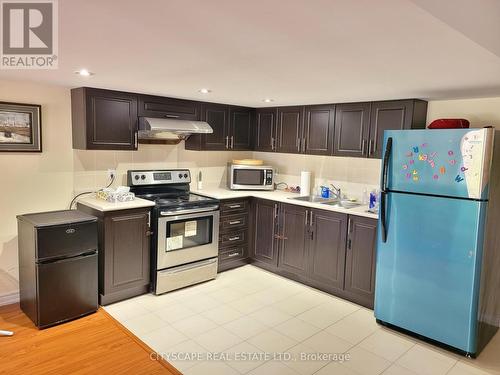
x,y
435,270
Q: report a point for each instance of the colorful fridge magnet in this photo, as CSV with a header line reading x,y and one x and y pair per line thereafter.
x,y
463,169
433,155
408,176
405,167
423,145
415,149
450,153
435,176
442,170
412,162
458,178
431,163
409,154
453,162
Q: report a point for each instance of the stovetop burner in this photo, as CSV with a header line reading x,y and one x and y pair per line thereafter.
x,y
172,200
167,188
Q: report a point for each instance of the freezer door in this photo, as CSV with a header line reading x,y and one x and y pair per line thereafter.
x,y
67,289
429,268
446,162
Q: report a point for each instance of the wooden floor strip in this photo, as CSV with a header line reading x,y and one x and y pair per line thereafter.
x,y
90,345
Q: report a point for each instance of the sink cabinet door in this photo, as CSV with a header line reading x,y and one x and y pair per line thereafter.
x,y
327,249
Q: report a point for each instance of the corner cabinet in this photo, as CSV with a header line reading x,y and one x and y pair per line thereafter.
x,y
124,256
331,251
104,119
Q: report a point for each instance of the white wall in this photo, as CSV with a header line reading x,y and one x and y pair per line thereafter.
x,y
44,181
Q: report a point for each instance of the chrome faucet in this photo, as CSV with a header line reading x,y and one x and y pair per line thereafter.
x,y
336,191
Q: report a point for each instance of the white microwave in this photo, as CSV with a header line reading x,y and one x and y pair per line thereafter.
x,y
250,177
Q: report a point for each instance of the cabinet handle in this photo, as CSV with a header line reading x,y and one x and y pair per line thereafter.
x,y
172,116
298,144
227,141
310,218
307,214
149,233
233,255
349,222
370,147
234,206
363,147
235,222
272,143
349,241
232,142
235,238
304,144
136,141
277,236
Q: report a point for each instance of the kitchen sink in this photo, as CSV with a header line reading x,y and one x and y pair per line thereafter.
x,y
343,203
314,199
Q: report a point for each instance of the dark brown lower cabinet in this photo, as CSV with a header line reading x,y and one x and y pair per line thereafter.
x,y
292,247
331,251
327,249
124,266
360,260
265,248
233,237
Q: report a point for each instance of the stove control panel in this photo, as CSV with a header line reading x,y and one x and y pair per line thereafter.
x,y
158,177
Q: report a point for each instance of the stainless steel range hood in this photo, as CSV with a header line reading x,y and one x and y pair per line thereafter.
x,y
171,130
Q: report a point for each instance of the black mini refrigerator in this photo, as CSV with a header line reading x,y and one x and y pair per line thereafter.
x,y
57,266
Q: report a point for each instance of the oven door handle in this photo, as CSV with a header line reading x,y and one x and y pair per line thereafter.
x,y
189,211
188,266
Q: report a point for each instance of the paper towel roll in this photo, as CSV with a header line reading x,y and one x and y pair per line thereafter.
x,y
305,183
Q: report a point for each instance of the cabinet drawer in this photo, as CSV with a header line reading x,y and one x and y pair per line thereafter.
x,y
233,238
154,106
233,222
233,253
68,239
233,207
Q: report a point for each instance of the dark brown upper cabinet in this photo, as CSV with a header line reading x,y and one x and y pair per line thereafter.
x,y
104,119
290,122
360,260
158,107
265,214
265,129
217,116
240,128
318,130
394,115
232,128
352,128
292,247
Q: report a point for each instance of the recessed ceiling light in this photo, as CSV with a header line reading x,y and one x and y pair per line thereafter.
x,y
205,91
268,100
84,73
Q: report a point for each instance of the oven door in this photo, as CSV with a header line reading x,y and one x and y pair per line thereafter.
x,y
186,238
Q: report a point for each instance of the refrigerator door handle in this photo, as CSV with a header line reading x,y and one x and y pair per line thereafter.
x,y
385,168
383,219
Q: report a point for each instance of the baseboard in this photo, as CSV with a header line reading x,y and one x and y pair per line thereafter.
x,y
8,299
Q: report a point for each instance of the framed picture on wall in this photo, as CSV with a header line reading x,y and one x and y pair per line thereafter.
x,y
20,127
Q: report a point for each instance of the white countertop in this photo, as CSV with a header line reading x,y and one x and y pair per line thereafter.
x,y
281,196
102,205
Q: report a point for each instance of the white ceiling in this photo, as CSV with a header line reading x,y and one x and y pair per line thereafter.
x,y
294,51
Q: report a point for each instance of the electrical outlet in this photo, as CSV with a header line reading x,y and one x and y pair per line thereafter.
x,y
111,173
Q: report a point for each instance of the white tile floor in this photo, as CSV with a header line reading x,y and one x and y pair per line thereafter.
x,y
248,312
